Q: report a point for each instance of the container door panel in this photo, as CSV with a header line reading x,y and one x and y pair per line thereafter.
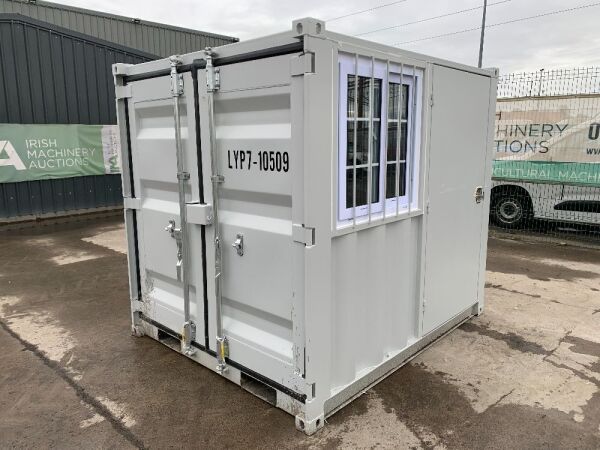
x,y
253,137
457,158
153,151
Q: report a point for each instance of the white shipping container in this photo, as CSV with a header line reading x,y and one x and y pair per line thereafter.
x,y
305,212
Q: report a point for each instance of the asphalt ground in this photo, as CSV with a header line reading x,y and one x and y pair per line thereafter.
x,y
524,375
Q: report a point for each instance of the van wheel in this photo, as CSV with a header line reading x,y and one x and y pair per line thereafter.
x,y
511,210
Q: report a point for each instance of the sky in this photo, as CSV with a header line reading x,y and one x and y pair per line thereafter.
x,y
570,39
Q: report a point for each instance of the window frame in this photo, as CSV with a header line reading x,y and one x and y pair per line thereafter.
x,y
386,72
364,70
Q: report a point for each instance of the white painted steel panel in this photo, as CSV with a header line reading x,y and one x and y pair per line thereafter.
x,y
252,119
457,157
375,297
155,183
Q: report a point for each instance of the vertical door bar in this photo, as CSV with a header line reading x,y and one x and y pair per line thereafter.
x,y
399,139
189,330
354,140
383,157
221,344
411,142
370,137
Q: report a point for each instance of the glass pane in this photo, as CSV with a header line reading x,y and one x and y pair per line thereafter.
x,y
392,140
362,143
390,180
390,188
351,95
377,94
402,183
349,178
393,101
375,185
350,143
376,150
361,186
403,141
405,96
363,91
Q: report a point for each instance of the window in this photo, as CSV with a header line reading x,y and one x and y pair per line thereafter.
x,y
377,139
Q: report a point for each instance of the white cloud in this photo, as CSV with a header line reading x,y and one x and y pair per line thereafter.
x,y
564,40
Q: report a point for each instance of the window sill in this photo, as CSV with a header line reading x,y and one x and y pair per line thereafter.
x,y
377,219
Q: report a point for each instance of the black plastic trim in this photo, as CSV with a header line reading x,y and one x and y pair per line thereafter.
x,y
286,49
133,212
201,197
584,206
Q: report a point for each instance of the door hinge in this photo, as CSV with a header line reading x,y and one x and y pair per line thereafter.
x,y
302,64
213,74
303,235
176,78
431,100
122,92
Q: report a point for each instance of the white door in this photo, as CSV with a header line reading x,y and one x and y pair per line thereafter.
x,y
253,132
153,153
457,163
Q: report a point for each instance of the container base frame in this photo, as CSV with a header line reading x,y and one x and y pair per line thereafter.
x,y
280,399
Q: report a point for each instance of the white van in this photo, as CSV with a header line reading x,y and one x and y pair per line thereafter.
x,y
546,160
513,203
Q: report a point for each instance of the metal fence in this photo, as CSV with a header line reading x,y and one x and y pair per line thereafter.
x,y
543,83
546,177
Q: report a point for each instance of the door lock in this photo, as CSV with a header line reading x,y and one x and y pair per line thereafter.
x,y
238,244
176,234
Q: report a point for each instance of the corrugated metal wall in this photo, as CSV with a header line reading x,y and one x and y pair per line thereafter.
x,y
52,75
158,39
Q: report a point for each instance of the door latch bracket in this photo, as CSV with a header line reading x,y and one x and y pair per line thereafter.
x,y
302,64
303,234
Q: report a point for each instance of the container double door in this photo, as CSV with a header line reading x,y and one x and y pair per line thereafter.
x,y
252,135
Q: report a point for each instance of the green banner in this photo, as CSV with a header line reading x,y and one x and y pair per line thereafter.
x,y
544,171
40,152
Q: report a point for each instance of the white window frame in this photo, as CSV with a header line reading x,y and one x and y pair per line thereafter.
x,y
397,206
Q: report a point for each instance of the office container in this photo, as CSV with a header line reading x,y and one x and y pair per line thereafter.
x,y
306,211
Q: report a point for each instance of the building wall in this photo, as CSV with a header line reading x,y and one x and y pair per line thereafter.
x,y
151,37
50,75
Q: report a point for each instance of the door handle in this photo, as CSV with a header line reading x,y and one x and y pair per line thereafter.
x,y
479,194
175,233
